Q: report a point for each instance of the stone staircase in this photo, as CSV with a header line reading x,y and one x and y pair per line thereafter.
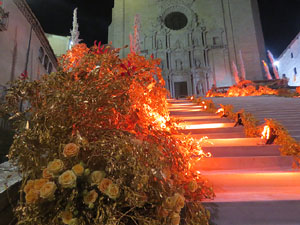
x,y
254,185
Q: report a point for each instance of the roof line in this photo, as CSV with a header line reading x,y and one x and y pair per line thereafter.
x,y
289,46
31,18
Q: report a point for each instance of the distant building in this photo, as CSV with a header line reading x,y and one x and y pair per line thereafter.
x,y
23,44
59,44
288,62
197,41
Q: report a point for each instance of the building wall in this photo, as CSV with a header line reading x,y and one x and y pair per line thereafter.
x,y
14,44
289,62
59,44
221,29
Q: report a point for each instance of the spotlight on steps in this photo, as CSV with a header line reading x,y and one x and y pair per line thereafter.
x,y
268,135
221,112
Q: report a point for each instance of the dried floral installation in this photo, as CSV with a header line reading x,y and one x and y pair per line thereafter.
x,y
96,145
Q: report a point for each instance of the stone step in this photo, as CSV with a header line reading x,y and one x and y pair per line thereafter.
x,y
211,125
198,118
206,121
234,142
254,185
220,135
248,180
255,213
244,163
188,107
189,113
205,132
243,151
191,109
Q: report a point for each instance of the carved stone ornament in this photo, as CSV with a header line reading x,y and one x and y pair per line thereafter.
x,y
168,2
192,18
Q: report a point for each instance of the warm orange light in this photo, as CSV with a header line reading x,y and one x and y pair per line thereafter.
x,y
266,132
221,110
207,126
244,88
187,117
232,142
160,121
186,110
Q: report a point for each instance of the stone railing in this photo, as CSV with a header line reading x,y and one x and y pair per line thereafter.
x,y
9,192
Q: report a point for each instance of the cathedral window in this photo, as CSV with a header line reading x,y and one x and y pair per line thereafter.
x,y
292,55
41,54
46,61
50,68
176,21
295,70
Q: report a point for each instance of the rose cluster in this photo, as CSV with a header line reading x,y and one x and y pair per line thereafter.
x,y
171,208
57,176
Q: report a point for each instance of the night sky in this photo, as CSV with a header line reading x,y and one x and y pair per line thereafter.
x,y
280,19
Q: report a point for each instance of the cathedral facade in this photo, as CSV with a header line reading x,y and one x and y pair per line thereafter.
x,y
197,40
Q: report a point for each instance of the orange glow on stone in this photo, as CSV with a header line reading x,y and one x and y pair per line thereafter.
x,y
207,126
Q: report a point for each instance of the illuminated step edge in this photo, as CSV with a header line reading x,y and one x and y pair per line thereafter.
x,y
188,117
243,151
255,186
245,163
186,110
207,131
234,142
206,126
257,194
188,121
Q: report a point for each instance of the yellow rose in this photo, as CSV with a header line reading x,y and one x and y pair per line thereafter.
x,y
66,217
73,222
67,179
55,166
162,212
29,186
71,150
103,186
38,184
169,203
96,177
175,219
179,201
144,179
113,191
32,196
47,174
193,186
90,197
78,170
48,190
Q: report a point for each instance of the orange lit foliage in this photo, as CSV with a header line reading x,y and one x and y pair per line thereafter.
x,y
131,97
298,90
115,109
243,88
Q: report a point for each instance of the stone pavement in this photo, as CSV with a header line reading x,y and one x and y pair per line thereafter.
x,y
284,110
254,185
9,192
